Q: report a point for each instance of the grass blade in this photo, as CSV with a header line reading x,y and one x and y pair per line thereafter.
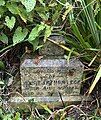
x,y
76,31
92,60
91,21
97,78
64,47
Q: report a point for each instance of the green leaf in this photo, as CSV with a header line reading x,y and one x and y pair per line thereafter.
x,y
2,66
13,8
38,47
1,109
3,38
92,60
43,15
48,31
1,83
76,31
35,32
53,4
17,116
94,49
89,14
2,2
55,16
69,55
29,4
2,10
35,44
46,108
41,9
23,14
98,25
15,0
19,35
97,78
10,22
7,117
30,17
41,1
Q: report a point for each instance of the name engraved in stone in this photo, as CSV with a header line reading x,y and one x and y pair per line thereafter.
x,y
50,77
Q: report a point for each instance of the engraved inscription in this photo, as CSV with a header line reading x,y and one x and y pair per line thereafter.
x,y
49,81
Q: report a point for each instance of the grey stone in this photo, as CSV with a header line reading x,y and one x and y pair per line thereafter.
x,y
51,102
50,49
45,80
51,77
69,98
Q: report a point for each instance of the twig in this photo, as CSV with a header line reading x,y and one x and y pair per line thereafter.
x,y
72,106
5,53
61,27
61,99
6,48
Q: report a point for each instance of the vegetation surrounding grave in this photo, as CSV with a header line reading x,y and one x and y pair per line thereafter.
x,y
29,21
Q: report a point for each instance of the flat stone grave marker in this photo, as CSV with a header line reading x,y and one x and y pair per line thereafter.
x,y
52,79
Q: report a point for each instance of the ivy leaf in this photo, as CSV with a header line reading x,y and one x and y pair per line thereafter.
x,y
10,22
13,8
3,38
48,31
19,35
29,4
35,32
35,43
2,2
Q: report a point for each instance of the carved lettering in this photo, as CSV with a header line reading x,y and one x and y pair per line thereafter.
x,y
47,81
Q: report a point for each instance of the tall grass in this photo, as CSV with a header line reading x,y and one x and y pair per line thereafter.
x,y
86,29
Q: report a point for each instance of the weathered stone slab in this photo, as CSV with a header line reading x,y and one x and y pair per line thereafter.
x,y
49,78
23,102
49,99
50,49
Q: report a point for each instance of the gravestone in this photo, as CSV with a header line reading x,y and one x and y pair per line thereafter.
x,y
52,79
